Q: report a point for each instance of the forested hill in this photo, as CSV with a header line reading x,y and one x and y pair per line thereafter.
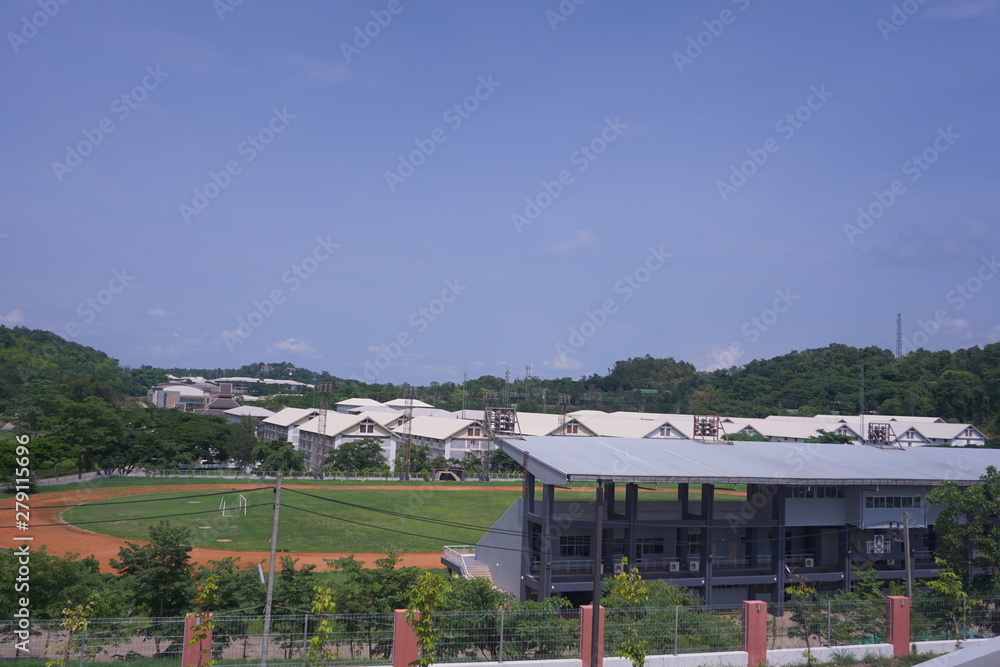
x,y
963,385
33,358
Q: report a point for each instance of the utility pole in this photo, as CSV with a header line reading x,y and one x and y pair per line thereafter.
x,y
270,574
906,550
598,562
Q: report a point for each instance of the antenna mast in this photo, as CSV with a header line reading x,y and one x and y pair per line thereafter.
x,y
899,335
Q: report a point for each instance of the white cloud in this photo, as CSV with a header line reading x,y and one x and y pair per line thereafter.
x,y
294,345
562,362
12,318
157,312
724,357
582,238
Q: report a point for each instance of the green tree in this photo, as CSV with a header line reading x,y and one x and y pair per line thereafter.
x,y
242,440
358,456
633,591
158,575
425,599
278,456
968,522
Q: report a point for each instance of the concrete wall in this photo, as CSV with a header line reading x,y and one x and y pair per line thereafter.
x,y
494,550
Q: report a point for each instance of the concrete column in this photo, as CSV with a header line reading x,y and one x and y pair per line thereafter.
x,y
682,495
586,626
632,516
780,571
527,508
707,537
200,652
548,534
755,632
404,641
897,624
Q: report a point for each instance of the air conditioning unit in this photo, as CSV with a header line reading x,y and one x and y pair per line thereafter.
x,y
675,566
619,568
891,561
809,562
693,565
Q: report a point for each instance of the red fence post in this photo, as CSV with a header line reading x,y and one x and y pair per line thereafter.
x,y
586,625
404,641
897,624
196,652
755,632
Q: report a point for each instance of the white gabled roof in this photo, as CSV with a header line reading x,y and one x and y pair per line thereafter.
x,y
615,427
289,416
360,402
403,402
935,431
781,428
249,411
534,423
435,428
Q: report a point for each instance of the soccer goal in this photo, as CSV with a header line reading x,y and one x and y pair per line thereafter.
x,y
239,509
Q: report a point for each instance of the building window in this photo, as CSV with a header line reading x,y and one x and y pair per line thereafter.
x,y
366,427
574,546
475,432
572,429
664,431
650,546
892,502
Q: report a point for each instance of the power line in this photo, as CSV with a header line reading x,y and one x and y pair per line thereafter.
x,y
137,518
413,517
148,500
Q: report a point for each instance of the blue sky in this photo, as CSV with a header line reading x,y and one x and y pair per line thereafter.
x,y
404,190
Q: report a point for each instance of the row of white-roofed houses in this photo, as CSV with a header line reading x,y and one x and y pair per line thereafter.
x,y
462,433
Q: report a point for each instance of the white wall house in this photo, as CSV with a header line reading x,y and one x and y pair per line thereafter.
x,y
339,428
284,424
450,438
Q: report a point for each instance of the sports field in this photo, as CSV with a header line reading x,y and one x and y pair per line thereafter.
x,y
338,519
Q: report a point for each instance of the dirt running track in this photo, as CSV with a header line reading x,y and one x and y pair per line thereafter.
x,y
65,538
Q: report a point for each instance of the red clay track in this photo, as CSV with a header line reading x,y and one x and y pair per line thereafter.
x,y
65,538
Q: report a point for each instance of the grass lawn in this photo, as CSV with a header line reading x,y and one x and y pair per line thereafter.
x,y
368,528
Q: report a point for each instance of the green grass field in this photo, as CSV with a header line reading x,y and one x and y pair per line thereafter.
x,y
343,529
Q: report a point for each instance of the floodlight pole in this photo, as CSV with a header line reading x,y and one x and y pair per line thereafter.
x,y
598,561
270,574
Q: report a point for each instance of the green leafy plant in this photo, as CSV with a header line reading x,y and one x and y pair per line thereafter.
x,y
425,599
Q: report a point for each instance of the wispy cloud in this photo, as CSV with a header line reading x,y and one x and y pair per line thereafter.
x,y
582,238
12,318
562,362
294,345
157,312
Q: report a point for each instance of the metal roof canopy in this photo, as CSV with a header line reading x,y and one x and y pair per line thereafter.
x,y
561,460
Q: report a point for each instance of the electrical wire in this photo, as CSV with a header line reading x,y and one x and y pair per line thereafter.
x,y
137,518
148,500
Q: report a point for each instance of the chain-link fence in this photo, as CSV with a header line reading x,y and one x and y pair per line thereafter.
x,y
968,618
801,624
672,630
102,640
497,635
507,634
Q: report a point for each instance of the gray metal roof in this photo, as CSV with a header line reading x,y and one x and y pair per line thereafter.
x,y
561,460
